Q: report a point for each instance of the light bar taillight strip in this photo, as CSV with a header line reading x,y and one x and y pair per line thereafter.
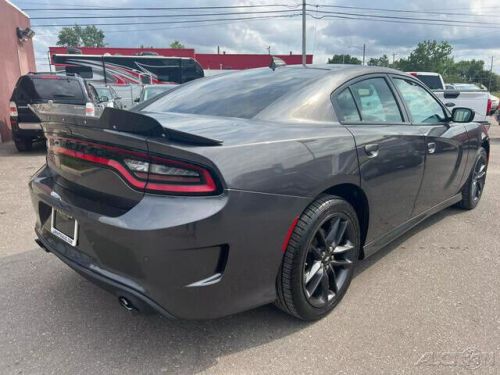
x,y
172,176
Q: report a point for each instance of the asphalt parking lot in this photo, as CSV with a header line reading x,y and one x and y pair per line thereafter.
x,y
427,304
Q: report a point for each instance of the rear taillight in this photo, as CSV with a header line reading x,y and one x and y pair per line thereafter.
x,y
140,170
13,109
488,107
13,114
89,109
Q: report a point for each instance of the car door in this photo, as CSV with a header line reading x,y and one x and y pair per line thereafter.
x,y
445,155
391,153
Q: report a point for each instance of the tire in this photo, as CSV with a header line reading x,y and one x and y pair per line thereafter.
x,y
327,218
473,188
23,144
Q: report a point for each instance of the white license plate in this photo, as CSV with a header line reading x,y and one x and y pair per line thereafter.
x,y
29,125
64,227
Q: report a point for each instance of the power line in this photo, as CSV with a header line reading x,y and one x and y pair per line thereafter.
x,y
436,12
400,21
163,8
445,21
162,22
213,23
164,15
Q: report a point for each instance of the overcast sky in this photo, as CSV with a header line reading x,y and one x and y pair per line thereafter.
x,y
325,37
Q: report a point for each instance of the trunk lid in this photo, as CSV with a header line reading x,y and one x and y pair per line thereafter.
x,y
108,158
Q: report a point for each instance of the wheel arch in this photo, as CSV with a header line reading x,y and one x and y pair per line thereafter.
x,y
357,198
485,143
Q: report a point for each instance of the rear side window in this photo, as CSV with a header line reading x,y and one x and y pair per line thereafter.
x,y
431,81
376,101
347,107
423,108
57,89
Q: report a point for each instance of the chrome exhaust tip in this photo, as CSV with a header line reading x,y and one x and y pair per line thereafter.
x,y
126,304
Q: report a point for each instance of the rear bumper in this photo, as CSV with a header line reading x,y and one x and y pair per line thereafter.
x,y
28,132
113,286
186,257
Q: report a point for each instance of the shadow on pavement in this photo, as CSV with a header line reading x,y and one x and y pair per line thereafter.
x,y
367,263
48,307
8,149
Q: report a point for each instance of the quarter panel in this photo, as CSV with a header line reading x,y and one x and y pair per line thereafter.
x,y
299,167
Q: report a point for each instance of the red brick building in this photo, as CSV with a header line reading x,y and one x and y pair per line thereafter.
x,y
16,57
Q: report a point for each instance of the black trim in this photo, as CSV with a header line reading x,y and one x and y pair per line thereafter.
x,y
379,243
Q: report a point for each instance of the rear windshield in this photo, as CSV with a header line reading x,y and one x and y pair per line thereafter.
x,y
431,81
242,94
57,89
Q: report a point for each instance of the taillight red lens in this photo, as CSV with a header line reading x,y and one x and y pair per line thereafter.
x,y
140,170
488,107
89,109
13,109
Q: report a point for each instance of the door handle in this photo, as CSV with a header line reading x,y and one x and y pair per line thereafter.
x,y
450,104
372,150
431,147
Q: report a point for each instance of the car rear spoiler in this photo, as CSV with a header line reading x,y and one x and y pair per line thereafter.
x,y
117,120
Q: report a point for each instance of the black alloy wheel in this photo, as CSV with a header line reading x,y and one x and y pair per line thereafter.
x,y
474,187
329,260
319,261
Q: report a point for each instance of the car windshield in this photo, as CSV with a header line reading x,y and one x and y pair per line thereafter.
x,y
242,94
152,91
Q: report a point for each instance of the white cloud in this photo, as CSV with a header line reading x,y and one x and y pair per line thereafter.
x,y
325,37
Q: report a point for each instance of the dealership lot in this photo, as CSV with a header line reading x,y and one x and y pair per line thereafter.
x,y
415,307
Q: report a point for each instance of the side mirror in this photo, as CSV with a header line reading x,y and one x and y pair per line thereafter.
x,y
461,114
103,99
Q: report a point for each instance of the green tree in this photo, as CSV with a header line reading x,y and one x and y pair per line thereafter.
x,y
344,59
429,56
379,61
77,36
176,44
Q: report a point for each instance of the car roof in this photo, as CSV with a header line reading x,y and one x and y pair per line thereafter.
x,y
345,69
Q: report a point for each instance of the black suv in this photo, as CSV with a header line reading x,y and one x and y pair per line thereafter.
x,y
36,88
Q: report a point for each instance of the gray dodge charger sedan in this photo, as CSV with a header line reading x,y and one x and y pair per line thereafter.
x,y
261,186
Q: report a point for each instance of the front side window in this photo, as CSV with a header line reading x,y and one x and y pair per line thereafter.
x,y
423,108
376,101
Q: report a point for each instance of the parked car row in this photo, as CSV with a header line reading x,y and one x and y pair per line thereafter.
x,y
70,89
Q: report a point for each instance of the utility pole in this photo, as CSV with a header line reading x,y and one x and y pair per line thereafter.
x,y
364,53
393,58
491,73
303,32
48,57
